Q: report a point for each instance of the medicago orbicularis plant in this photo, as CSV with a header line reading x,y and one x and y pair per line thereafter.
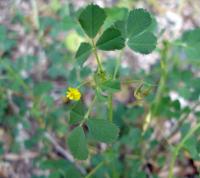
x,y
134,31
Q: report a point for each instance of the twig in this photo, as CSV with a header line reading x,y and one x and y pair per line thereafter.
x,y
19,157
64,153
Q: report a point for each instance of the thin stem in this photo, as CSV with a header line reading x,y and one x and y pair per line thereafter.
x,y
97,57
181,121
162,83
82,83
129,81
147,121
100,68
35,14
89,111
118,61
110,107
161,87
110,97
178,147
94,170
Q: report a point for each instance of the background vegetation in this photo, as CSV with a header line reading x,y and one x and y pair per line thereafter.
x,y
156,107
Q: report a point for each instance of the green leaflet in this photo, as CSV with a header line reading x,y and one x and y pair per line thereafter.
x,y
111,39
144,43
103,130
121,26
191,43
42,88
54,175
115,14
72,172
77,113
191,37
83,53
138,21
3,32
91,19
77,144
191,145
111,86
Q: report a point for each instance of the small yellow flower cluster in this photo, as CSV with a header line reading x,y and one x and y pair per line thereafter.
x,y
73,94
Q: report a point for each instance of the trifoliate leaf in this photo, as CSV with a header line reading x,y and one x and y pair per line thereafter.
x,y
83,53
103,130
91,19
144,43
111,39
138,21
77,144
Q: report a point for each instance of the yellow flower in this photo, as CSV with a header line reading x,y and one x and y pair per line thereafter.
x,y
73,94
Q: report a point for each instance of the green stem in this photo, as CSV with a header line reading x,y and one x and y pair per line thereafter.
x,y
161,87
177,149
118,61
97,57
35,14
181,121
88,112
163,79
94,170
110,97
82,83
110,107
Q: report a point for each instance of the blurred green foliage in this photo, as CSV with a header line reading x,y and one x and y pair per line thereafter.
x,y
33,102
